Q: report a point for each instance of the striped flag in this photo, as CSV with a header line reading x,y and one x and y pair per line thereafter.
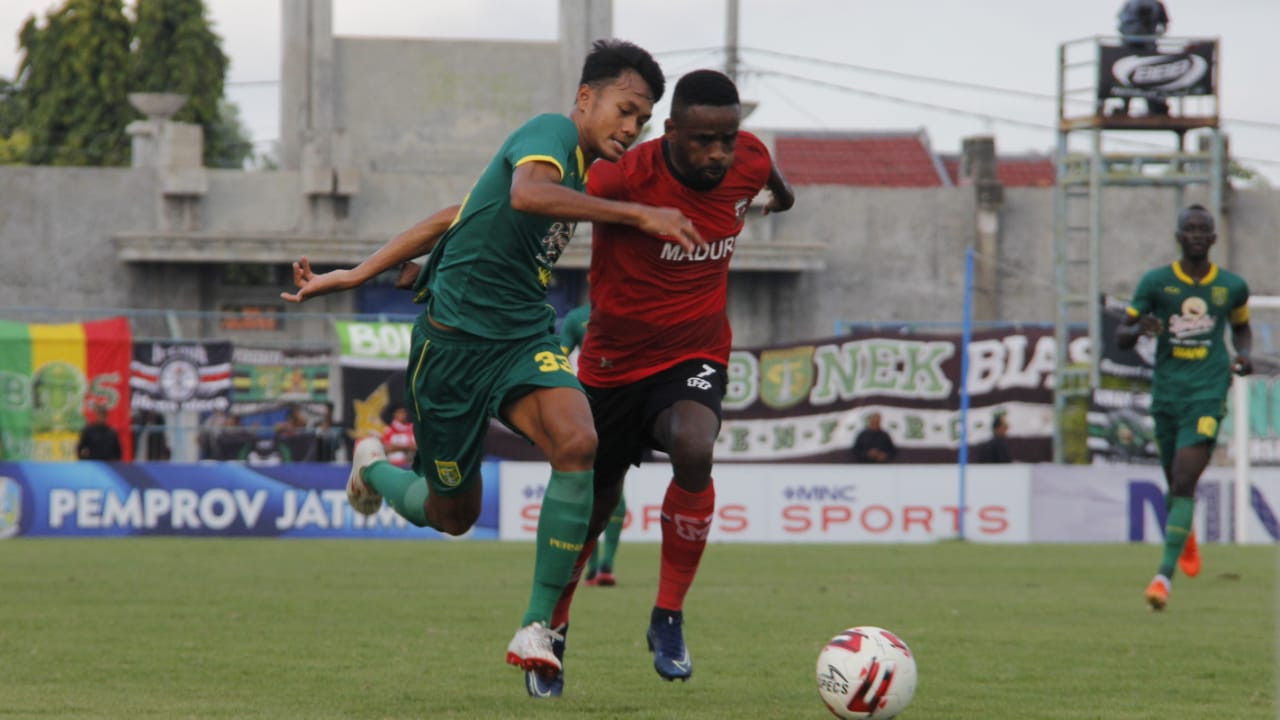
x,y
53,376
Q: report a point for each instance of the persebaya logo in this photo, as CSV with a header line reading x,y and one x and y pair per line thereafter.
x,y
786,376
10,507
448,472
57,393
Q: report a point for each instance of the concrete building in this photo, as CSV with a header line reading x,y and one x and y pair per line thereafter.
x,y
378,133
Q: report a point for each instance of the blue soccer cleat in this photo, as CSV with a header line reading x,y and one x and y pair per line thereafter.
x,y
666,642
542,686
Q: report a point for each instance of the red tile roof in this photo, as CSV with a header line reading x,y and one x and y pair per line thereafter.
x,y
1011,170
871,159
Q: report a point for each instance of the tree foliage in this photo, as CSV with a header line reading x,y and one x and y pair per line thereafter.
x,y
69,104
72,83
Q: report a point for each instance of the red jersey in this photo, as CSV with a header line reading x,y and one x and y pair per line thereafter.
x,y
399,433
653,305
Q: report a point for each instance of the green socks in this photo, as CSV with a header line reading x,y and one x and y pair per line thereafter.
x,y
612,532
562,531
403,489
1176,529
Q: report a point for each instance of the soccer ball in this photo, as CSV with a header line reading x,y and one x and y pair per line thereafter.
x,y
866,672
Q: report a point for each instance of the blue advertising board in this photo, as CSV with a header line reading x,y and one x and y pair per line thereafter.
x,y
117,499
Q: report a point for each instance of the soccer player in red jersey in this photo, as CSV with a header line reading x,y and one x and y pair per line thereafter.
x,y
654,364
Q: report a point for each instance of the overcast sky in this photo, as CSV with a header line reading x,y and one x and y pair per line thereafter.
x,y
1008,44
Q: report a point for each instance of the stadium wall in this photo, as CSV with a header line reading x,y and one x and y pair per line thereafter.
x,y
754,503
892,255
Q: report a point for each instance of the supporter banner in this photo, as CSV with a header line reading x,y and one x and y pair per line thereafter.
x,y
51,376
373,359
811,503
304,500
1126,72
266,379
1126,503
808,402
1119,424
171,377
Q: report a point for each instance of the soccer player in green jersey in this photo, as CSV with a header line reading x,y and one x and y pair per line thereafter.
x,y
1186,306
573,330
484,346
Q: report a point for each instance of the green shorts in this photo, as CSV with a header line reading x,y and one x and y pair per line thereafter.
x,y
457,381
1183,423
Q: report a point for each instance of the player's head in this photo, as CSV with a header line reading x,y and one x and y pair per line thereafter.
x,y
619,86
1195,232
702,132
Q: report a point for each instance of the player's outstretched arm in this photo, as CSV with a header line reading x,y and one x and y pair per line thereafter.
x,y
417,240
536,189
783,197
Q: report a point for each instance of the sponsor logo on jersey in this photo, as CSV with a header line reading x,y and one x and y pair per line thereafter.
x,y
715,250
1194,320
740,208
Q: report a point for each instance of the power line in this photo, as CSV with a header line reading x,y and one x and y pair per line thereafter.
x,y
960,111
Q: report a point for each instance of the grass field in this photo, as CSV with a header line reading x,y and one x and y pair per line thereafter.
x,y
169,628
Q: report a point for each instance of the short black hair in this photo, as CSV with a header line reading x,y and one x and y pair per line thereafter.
x,y
704,87
610,58
1195,208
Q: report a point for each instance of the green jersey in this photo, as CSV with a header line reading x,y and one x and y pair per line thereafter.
x,y
1192,362
574,328
488,275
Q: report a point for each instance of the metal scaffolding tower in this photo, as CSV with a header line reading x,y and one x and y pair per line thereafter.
x,y
1096,76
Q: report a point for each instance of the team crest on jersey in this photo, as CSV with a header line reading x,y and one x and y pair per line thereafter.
x,y
786,376
740,208
1218,295
448,472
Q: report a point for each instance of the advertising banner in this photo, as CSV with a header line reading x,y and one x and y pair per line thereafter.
x,y
1126,503
52,377
806,403
169,377
373,358
811,503
302,500
1127,72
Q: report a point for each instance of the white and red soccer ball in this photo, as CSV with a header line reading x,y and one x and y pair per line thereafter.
x,y
866,672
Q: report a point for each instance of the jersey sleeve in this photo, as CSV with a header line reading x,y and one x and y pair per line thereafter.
x,y
547,138
1141,303
605,180
757,163
1239,314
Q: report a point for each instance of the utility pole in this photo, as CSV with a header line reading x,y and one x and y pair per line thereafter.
x,y
731,42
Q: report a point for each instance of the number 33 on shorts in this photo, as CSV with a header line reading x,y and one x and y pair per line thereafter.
x,y
551,362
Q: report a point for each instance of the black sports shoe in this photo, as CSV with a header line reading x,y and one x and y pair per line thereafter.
x,y
666,642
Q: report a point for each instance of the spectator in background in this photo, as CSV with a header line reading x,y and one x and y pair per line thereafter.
x,y
266,451
1141,22
995,450
398,439
874,445
149,440
98,440
330,438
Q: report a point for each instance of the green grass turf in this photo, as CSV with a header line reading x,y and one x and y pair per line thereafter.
x,y
175,628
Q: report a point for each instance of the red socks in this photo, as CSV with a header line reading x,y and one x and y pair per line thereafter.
x,y
560,615
686,521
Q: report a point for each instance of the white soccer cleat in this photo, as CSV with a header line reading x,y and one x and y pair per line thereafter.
x,y
532,649
364,499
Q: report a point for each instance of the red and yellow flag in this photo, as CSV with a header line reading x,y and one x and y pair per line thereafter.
x,y
52,377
